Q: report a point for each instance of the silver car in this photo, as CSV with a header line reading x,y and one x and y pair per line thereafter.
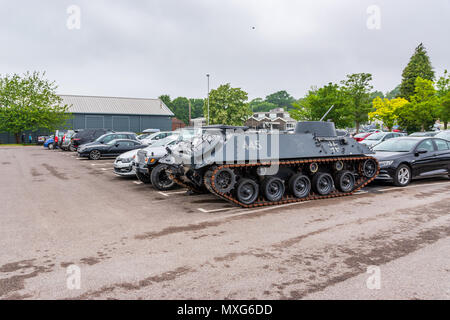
x,y
123,165
378,137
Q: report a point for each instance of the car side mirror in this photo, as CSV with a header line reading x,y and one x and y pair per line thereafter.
x,y
421,151
116,144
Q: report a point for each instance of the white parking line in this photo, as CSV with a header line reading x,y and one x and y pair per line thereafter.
x,y
104,169
166,194
137,182
414,186
215,210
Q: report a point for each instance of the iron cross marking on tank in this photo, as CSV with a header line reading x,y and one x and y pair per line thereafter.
x,y
333,146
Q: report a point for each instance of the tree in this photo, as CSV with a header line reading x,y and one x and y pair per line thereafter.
x,y
419,66
443,93
180,107
281,99
394,93
260,105
423,111
357,91
29,102
227,105
317,102
386,110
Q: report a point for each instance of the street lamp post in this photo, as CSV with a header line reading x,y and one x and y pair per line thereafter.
x,y
207,76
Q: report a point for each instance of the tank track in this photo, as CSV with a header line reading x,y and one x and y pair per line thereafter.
x,y
287,198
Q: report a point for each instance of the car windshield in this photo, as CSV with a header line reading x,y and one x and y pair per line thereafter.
x,y
396,145
163,142
111,142
375,136
360,135
101,137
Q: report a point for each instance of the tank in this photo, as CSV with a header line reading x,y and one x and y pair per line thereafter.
x,y
252,168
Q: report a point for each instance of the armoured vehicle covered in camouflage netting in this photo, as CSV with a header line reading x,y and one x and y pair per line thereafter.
x,y
251,168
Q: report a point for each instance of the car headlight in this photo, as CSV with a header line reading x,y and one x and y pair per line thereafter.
x,y
126,160
384,164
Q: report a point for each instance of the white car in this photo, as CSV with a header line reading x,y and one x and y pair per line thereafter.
x,y
378,137
123,165
152,138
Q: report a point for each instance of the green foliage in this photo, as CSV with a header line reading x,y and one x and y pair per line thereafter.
x,y
29,102
280,99
227,105
386,110
357,92
423,111
443,93
394,93
260,105
180,107
419,66
318,101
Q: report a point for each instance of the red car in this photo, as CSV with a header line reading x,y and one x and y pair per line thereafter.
x,y
361,136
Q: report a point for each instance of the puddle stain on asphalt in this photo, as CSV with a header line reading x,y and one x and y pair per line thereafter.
x,y
17,282
55,172
163,277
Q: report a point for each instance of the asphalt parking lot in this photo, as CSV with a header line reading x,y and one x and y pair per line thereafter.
x,y
132,242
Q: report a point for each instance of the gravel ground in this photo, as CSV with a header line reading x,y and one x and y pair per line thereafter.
x,y
130,241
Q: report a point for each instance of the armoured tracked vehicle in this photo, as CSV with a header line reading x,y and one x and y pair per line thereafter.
x,y
254,169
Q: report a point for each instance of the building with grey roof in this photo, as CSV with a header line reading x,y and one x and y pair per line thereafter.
x,y
114,113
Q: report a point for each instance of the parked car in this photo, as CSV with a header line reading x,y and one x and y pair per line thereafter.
x,y
378,137
361,136
424,134
152,138
50,143
123,165
96,150
42,139
107,137
59,134
86,136
443,135
66,140
146,162
406,158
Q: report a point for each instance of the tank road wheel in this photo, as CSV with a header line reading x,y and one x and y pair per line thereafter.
x,y
345,181
322,183
247,191
95,155
160,179
300,185
369,168
273,188
224,180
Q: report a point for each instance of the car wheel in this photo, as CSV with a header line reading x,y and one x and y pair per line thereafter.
x,y
160,179
402,176
144,178
95,155
51,146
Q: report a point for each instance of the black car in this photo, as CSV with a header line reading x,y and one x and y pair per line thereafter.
x,y
113,148
86,136
406,158
107,137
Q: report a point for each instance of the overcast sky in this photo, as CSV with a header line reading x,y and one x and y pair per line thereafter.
x,y
148,48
